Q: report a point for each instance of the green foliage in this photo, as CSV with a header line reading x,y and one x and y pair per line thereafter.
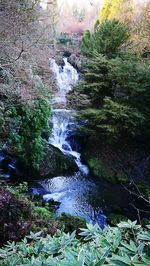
x,y
64,41
125,244
98,169
28,124
114,219
97,83
19,191
70,223
43,212
86,41
118,87
114,120
107,38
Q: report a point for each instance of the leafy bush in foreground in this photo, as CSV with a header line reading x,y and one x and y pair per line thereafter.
x,y
126,244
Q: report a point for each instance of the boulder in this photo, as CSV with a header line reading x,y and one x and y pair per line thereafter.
x,y
60,61
67,53
76,100
56,163
77,61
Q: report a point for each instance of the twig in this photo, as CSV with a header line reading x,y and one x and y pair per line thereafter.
x,y
22,50
140,195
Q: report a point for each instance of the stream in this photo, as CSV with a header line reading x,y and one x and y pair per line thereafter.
x,y
78,194
75,191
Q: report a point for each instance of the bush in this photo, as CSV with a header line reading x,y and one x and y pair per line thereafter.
x,y
26,128
71,223
125,244
19,215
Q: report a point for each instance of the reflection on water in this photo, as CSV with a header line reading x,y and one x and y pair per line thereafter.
x,y
75,194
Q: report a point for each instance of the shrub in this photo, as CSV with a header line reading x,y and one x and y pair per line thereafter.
x,y
71,223
43,212
19,215
26,128
125,244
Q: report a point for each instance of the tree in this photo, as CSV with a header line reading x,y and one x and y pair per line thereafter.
x,y
124,78
114,120
110,9
24,97
107,39
97,83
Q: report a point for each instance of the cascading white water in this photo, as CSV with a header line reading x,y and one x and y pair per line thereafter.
x,y
66,77
63,119
74,192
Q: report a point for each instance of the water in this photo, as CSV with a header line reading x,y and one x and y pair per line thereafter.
x,y
63,125
66,77
78,194
74,192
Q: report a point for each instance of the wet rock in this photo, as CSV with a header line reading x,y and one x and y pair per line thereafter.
x,y
77,61
67,54
56,163
76,100
4,176
59,61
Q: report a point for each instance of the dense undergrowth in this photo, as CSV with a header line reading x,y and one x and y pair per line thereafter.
x,y
126,244
25,80
22,213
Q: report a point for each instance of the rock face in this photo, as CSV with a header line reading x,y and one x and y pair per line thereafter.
x,y
56,163
76,62
76,100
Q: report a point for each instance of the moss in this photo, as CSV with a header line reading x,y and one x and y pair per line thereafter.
x,y
100,171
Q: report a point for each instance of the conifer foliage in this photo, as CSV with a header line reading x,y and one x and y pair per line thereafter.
x,y
117,83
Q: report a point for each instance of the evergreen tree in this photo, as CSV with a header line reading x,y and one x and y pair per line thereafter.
x,y
107,39
117,84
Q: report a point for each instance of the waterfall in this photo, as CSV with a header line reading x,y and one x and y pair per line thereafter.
x,y
66,77
63,120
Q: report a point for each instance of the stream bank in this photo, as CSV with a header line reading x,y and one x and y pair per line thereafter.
x,y
78,193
